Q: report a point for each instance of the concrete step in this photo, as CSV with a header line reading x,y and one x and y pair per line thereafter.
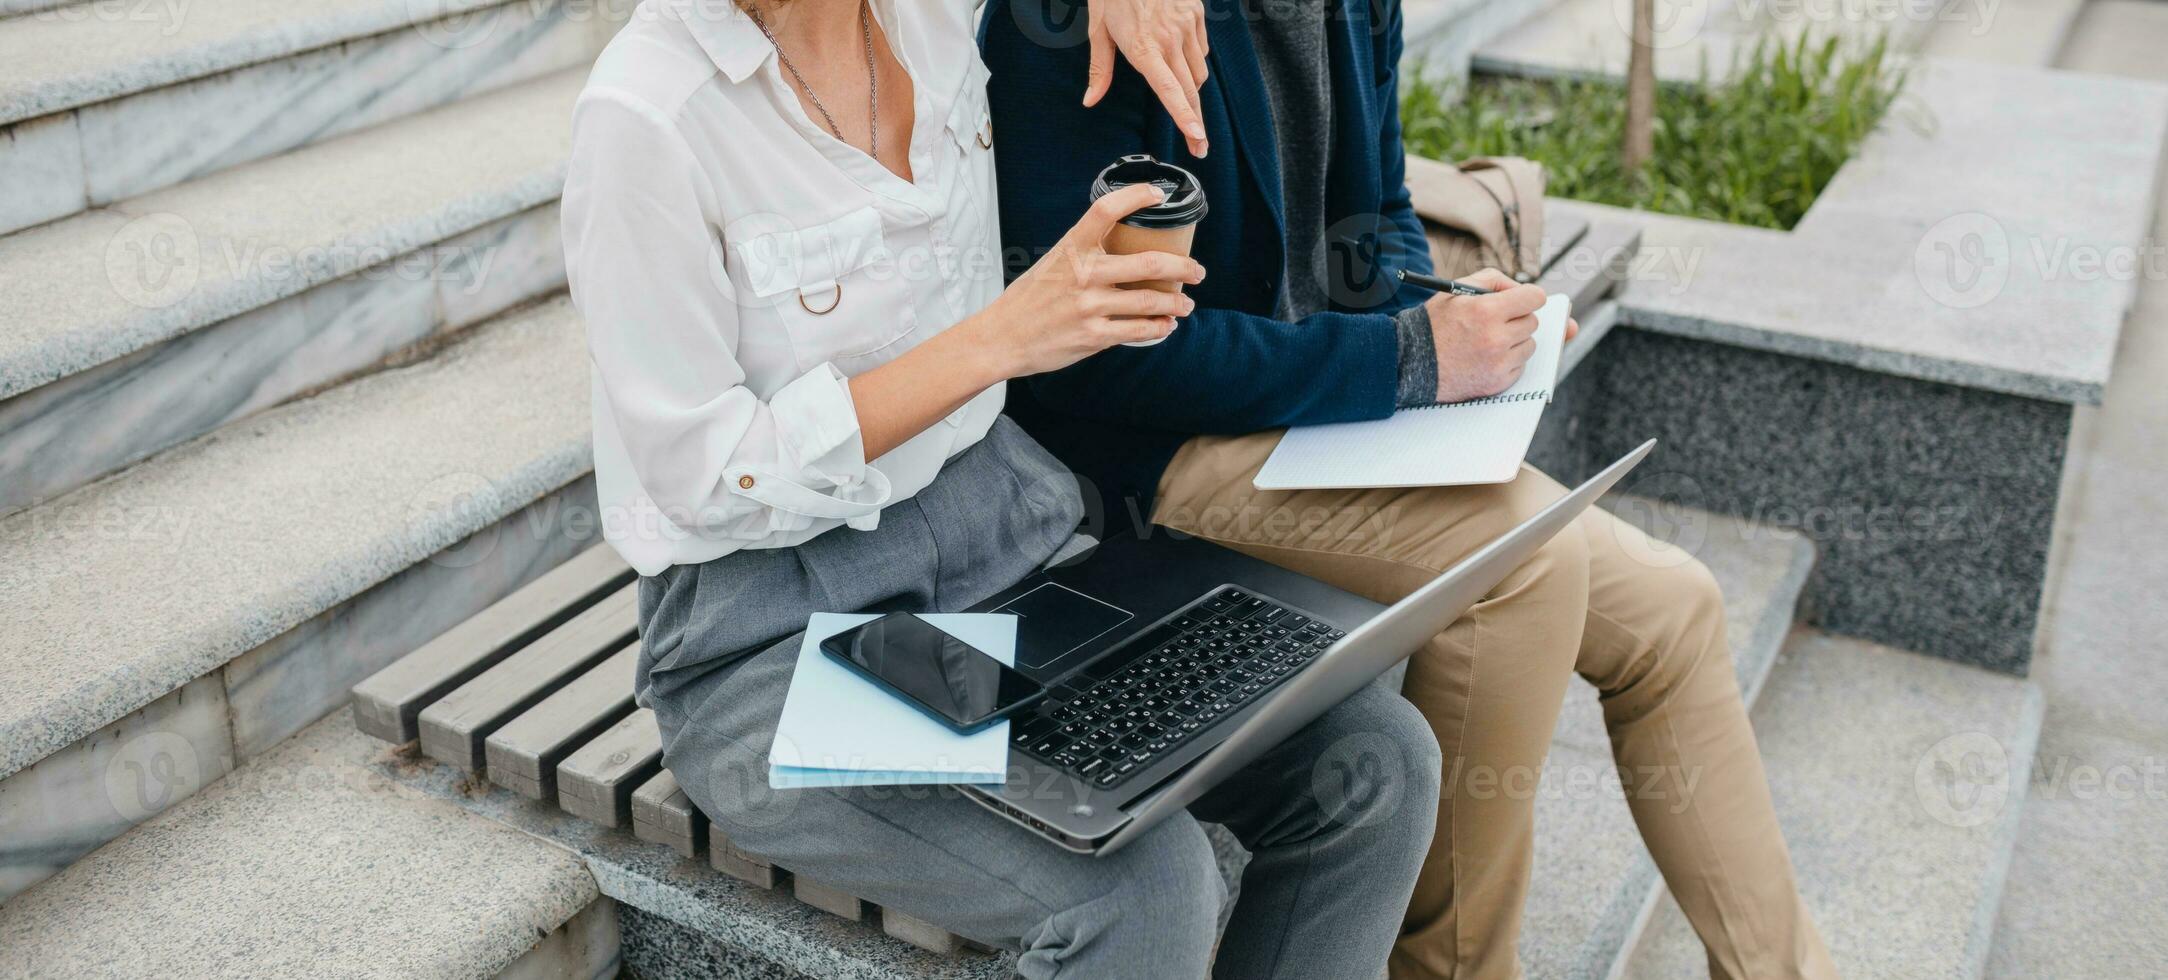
x,y
89,52
15,8
1592,876
1900,780
308,862
1589,38
2025,33
132,328
117,594
104,102
1442,36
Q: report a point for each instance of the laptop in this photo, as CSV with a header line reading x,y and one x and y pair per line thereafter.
x,y
1172,662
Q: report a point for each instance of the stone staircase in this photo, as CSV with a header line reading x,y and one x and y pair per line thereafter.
x,y
288,388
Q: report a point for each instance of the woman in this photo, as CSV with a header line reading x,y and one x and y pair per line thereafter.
x,y
779,227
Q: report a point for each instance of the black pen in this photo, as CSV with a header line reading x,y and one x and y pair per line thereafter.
x,y
1437,285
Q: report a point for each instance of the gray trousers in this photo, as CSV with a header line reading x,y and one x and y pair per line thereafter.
x,y
1337,818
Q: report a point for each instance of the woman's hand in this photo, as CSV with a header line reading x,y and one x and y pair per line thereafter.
x,y
1165,41
1070,305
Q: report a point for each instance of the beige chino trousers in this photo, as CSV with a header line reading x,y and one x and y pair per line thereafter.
x,y
1641,621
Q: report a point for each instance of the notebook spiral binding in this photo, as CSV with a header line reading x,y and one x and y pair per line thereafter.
x,y
1493,400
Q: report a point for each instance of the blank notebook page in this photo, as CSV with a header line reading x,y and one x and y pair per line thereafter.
x,y
1480,441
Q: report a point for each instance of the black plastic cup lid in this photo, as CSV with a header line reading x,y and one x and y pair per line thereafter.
x,y
1184,206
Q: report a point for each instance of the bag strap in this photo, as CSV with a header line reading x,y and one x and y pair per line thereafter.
x,y
1496,201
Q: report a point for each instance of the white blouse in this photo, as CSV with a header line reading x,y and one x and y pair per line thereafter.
x,y
735,262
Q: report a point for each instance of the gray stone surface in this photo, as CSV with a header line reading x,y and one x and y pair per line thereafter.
x,y
43,159
1694,38
728,915
59,436
142,142
586,948
1932,504
1442,36
283,686
659,949
89,53
2120,38
177,566
2026,33
2011,278
2090,881
67,804
10,8
1899,780
71,802
1592,875
106,283
307,862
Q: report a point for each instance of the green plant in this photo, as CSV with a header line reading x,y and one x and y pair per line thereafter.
x,y
1754,149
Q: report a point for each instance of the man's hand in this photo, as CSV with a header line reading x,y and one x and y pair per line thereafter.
x,y
1165,41
1483,342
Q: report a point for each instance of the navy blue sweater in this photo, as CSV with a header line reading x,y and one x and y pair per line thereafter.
x,y
1118,416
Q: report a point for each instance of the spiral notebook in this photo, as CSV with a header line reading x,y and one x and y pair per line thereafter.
x,y
1480,441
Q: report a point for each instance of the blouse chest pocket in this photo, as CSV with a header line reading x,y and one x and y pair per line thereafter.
x,y
971,127
833,287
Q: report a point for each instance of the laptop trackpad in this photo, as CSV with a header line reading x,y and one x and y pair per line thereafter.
x,y
1054,620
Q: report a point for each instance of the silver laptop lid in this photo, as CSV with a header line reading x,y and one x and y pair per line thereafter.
x,y
1371,649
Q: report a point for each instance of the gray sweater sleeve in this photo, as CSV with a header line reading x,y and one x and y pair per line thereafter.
x,y
1418,357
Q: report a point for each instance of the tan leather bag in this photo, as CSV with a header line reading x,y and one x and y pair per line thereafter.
x,y
1483,213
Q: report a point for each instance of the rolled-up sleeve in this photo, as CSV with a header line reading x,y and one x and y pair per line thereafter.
x,y
645,264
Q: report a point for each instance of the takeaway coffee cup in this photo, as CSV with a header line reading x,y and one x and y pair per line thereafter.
x,y
1169,226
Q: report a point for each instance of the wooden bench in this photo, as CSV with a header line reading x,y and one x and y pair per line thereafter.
x,y
534,693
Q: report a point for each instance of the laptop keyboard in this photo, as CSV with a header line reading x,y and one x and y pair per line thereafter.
x,y
1132,709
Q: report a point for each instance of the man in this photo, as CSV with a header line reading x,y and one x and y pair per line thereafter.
x,y
1299,323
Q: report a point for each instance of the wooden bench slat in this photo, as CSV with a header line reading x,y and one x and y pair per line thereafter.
x,y
741,864
833,901
523,755
388,705
596,781
921,933
452,729
663,814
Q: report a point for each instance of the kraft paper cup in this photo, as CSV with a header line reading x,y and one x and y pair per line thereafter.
x,y
1169,226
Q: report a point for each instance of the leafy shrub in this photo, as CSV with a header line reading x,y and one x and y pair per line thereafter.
x,y
1753,150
